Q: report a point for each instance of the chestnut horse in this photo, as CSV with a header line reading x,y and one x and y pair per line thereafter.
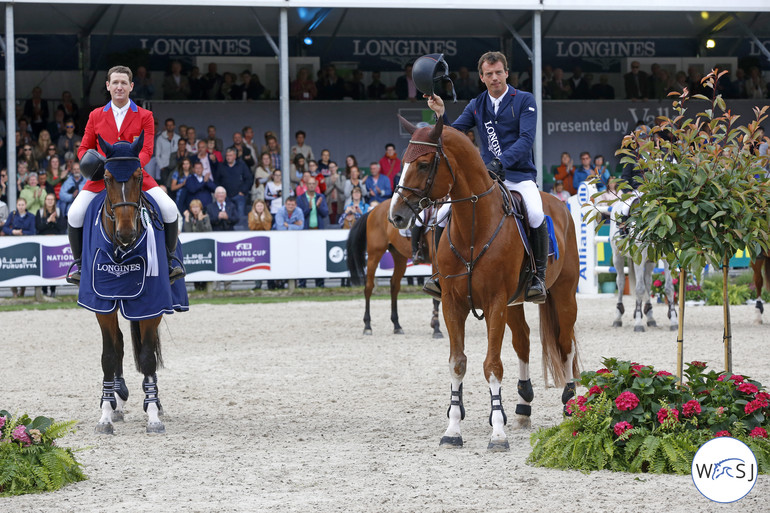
x,y
373,235
757,265
480,260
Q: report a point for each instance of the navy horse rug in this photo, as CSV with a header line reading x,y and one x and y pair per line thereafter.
x,y
135,280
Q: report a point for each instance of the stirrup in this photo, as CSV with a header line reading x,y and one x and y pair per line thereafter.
x,y
175,272
536,293
73,277
432,288
418,258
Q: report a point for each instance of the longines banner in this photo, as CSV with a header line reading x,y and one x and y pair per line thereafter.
x,y
211,256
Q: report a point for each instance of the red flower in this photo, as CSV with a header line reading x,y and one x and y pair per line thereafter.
x,y
575,433
721,377
596,389
763,398
748,388
675,280
758,432
667,413
578,401
604,371
635,369
737,378
753,406
696,363
721,433
657,283
622,427
690,408
663,373
627,401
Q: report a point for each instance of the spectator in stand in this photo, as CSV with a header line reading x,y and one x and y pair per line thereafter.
x,y
603,90
56,127
176,85
242,151
229,90
289,217
303,88
558,88
356,204
33,194
211,83
602,171
323,162
223,213
71,187
335,192
266,146
250,87
298,170
4,188
55,178
49,221
312,166
657,87
19,222
680,83
566,172
25,132
264,171
559,192
694,77
737,86
260,218
584,171
756,88
200,186
261,176
42,182
313,206
68,106
207,160
275,152
302,187
68,139
301,147
36,110
355,181
183,131
248,140
178,178
214,152
376,90
166,143
355,87
466,86
191,139
234,176
378,185
579,85
143,86
211,135
637,84
42,164
40,148
196,91
175,160
405,88
273,192
350,161
196,219
331,87
3,213
390,164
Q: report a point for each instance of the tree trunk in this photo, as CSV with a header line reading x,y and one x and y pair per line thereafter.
x,y
727,339
680,328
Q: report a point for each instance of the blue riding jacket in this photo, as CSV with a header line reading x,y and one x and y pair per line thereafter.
x,y
507,135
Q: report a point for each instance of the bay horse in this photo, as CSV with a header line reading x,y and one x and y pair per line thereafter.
x,y
369,238
758,264
120,256
482,264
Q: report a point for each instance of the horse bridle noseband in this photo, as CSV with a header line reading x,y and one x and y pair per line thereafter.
x,y
424,200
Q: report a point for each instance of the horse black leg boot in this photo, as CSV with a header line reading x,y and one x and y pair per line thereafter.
x,y
175,270
417,255
432,287
536,292
76,245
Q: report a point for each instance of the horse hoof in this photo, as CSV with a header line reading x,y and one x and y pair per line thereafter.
x,y
104,428
438,334
498,446
367,331
673,327
117,416
398,331
522,422
617,324
639,329
451,442
652,324
156,428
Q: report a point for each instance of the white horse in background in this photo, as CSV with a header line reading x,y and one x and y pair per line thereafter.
x,y
640,276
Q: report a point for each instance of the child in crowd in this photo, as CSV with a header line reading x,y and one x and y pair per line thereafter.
x,y
559,192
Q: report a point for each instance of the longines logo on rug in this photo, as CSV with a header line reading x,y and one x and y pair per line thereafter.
x,y
724,470
118,269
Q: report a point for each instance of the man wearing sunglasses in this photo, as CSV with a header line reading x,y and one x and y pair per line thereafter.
x,y
68,139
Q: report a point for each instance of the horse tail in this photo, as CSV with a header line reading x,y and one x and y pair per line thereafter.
x,y
767,274
136,340
556,345
356,249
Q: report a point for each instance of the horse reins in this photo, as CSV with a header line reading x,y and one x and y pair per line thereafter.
x,y
109,211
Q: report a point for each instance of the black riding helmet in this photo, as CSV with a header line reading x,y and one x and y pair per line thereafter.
x,y
92,165
430,73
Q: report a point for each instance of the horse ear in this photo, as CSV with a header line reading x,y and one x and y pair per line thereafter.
x,y
106,147
406,125
435,132
136,146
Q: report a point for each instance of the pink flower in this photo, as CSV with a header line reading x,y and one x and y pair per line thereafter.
x,y
657,283
748,388
20,434
668,413
663,373
2,422
758,432
596,389
622,427
721,433
627,401
721,410
690,408
721,377
575,433
675,280
635,369
737,378
578,401
764,398
696,363
753,406
604,371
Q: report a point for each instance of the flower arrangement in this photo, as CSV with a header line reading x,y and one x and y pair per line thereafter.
x,y
636,419
30,460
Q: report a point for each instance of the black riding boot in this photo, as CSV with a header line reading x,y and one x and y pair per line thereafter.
x,y
432,287
76,245
418,257
536,292
175,269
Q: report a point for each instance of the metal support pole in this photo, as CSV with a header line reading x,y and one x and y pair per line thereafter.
x,y
265,33
680,326
10,104
283,74
537,90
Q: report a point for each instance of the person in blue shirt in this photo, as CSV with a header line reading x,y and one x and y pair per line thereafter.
x,y
20,222
583,171
377,185
506,120
602,171
289,217
313,206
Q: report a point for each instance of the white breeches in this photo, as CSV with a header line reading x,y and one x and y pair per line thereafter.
x,y
534,204
441,217
77,213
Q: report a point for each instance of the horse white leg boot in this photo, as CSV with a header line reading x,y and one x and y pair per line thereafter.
x,y
522,419
121,396
619,311
152,406
497,419
108,404
673,317
650,319
638,317
456,412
